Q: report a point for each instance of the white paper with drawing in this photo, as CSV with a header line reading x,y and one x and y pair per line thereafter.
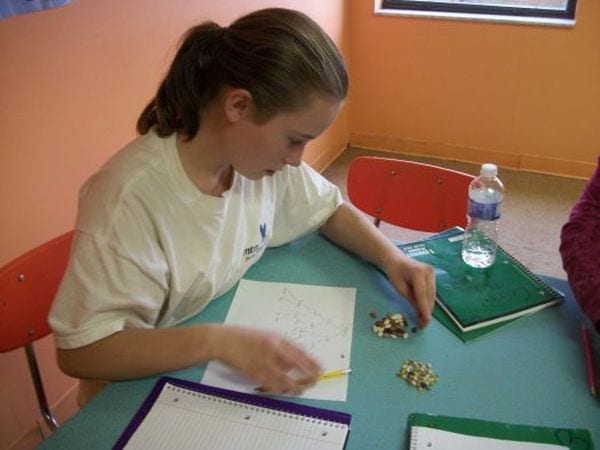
x,y
318,318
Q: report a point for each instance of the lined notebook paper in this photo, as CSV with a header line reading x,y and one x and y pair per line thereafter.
x,y
423,438
436,432
185,415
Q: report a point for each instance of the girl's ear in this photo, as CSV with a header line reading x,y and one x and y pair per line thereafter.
x,y
237,104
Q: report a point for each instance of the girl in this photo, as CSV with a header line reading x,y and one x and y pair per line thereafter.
x,y
176,218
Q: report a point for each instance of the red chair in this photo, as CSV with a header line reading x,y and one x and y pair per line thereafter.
x,y
409,194
28,285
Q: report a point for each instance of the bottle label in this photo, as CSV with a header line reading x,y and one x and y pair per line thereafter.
x,y
484,211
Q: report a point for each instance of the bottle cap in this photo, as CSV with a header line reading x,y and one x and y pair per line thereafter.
x,y
489,170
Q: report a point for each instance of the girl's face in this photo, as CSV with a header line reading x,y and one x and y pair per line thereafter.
x,y
259,149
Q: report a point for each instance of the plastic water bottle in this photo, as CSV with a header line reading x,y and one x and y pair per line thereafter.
x,y
486,193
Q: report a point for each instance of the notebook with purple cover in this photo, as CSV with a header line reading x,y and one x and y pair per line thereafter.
x,y
182,414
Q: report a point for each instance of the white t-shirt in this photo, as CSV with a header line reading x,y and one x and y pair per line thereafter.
x,y
151,250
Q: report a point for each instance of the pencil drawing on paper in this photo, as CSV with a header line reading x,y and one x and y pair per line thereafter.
x,y
317,318
305,324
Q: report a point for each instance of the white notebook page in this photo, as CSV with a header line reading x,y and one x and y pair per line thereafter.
x,y
317,318
424,438
182,419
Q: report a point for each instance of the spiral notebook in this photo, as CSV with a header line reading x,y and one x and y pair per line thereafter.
x,y
478,301
182,414
433,432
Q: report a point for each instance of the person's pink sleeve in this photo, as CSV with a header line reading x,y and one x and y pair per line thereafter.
x,y
580,249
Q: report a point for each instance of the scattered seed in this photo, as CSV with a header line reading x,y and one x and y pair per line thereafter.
x,y
393,325
418,374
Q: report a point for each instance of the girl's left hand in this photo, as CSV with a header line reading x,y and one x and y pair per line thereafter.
x,y
415,281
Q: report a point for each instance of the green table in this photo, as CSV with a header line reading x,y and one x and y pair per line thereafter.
x,y
530,372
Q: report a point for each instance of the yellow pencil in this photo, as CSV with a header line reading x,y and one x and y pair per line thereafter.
x,y
323,376
334,373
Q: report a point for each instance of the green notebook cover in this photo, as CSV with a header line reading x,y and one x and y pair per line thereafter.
x,y
473,302
465,336
574,439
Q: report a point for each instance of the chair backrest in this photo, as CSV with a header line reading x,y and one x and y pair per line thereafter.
x,y
409,194
28,285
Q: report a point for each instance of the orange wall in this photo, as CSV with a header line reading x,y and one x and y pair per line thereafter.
x,y
72,82
523,96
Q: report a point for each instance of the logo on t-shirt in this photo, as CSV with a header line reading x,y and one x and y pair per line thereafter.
x,y
263,231
252,251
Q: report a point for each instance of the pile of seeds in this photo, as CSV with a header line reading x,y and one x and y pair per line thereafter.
x,y
417,374
392,325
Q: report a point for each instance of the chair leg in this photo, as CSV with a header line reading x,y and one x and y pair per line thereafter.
x,y
39,388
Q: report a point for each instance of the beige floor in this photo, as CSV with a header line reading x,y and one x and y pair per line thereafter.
x,y
535,208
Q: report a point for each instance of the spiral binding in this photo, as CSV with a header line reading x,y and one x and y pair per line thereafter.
x,y
533,276
280,412
414,439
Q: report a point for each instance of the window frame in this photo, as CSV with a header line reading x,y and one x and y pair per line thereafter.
x,y
468,11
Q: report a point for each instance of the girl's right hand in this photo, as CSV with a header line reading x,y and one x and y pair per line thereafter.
x,y
267,358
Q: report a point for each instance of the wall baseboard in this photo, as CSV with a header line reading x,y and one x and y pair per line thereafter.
x,y
528,163
325,159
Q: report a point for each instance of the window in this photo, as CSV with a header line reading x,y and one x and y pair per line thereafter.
x,y
9,8
544,12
